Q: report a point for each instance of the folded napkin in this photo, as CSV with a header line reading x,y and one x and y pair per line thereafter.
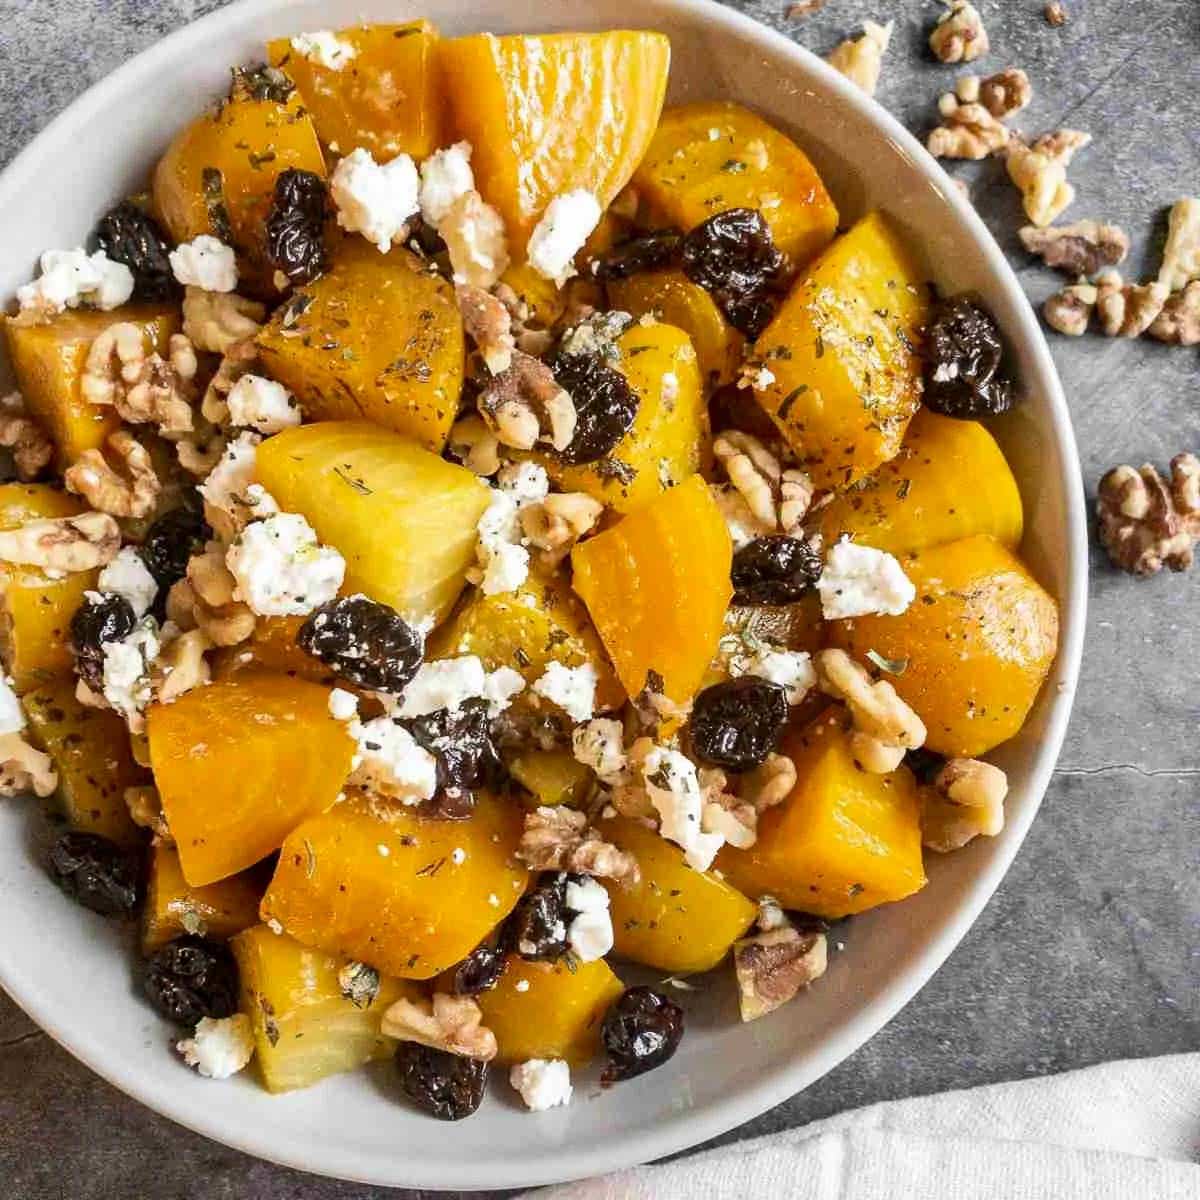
x,y
1121,1131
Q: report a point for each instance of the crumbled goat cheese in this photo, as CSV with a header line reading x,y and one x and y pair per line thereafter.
x,y
771,914
262,404
600,744
522,985
590,933
127,576
230,485
475,240
791,669
205,262
12,716
543,1083
451,682
375,199
390,760
565,225
324,48
503,561
127,671
860,580
281,569
741,522
220,1047
674,790
70,278
445,176
526,483
343,705
573,689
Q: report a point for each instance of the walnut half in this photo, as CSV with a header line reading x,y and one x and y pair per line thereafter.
x,y
959,35
965,802
31,448
774,966
24,769
1080,249
1147,523
63,544
131,490
560,839
446,1022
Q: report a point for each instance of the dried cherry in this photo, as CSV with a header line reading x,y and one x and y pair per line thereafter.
x,y
641,1031
643,253
924,764
965,374
296,225
447,1086
480,971
171,541
96,872
537,928
605,405
190,978
102,617
364,641
775,569
130,235
736,724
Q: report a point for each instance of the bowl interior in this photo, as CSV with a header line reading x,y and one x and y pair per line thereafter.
x,y
71,971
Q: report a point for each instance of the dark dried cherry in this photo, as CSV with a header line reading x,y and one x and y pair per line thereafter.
x,y
736,724
461,742
102,617
296,225
171,541
190,978
643,253
364,641
733,407
605,405
924,764
734,257
130,235
965,375
776,569
97,873
447,1086
537,928
640,1032
480,971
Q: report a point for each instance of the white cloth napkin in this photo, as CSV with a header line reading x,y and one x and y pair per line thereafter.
x,y
1119,1131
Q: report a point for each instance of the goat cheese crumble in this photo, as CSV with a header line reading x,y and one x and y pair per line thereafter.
x,y
503,561
451,682
126,677
343,705
674,790
12,715
220,1047
590,933
205,262
375,199
324,48
573,689
859,581
281,569
793,670
475,239
543,1083
126,576
445,176
600,744
565,225
70,278
230,487
262,405
390,760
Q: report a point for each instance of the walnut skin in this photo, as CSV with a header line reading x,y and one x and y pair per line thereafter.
x,y
1147,523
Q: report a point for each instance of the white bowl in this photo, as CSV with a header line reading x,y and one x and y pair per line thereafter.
x,y
72,972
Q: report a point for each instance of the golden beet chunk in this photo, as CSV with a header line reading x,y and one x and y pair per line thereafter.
x,y
843,355
547,114
843,841
314,1014
551,777
376,339
949,481
386,98
410,895
174,908
272,647
657,586
48,361
403,518
979,641
673,918
90,751
240,763
550,1010
710,157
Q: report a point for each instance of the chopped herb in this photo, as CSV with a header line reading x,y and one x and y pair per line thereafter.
x,y
819,345
343,473
892,666
434,867
262,82
310,859
655,682
856,889
790,399
521,657
733,166
904,488
257,160
212,183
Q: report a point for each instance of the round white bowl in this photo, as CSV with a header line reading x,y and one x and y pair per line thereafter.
x,y
72,972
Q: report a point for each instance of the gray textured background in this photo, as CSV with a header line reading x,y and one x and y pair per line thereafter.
x,y
1089,950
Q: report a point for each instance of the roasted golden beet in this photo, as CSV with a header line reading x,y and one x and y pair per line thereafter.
x,y
842,353
48,361
387,98
374,339
550,776
712,156
979,641
673,918
272,647
410,895
843,841
547,114
240,763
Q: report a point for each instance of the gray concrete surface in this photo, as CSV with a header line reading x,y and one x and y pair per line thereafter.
x,y
1089,950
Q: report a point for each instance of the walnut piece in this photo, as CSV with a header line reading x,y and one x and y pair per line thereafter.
x,y
475,445
1127,310
141,385
24,769
779,499
130,491
1179,322
804,8
560,839
965,801
63,544
217,321
240,359
1079,249
769,784
1181,255
1147,523
204,600
773,967
1006,92
181,666
31,448
554,525
146,811
1070,310
199,452
969,131
1055,13
884,725
860,59
445,1022
1040,172
524,404
489,325
959,35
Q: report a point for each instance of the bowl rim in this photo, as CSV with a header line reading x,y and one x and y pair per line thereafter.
x,y
689,1128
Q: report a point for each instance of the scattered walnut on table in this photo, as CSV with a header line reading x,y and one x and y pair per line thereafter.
x,y
130,489
1127,309
63,544
444,1022
1040,172
860,59
560,839
969,131
141,385
525,404
959,35
1055,13
217,321
31,447
24,769
1179,322
1070,311
966,801
1181,255
1146,522
1006,92
773,967
804,8
1079,249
